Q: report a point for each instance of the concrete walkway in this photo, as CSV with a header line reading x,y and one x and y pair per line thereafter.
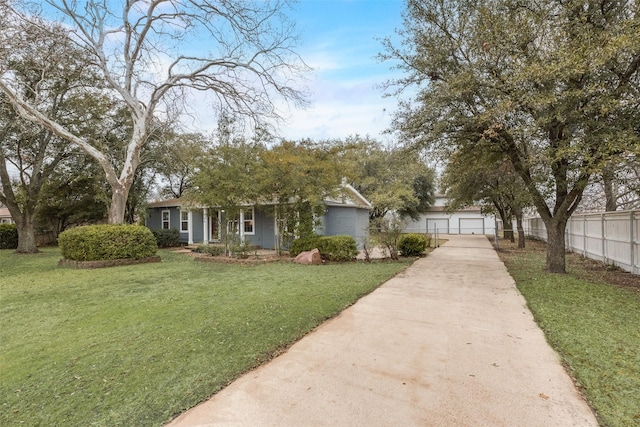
x,y
449,342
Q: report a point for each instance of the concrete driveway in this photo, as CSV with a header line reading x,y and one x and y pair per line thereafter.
x,y
449,342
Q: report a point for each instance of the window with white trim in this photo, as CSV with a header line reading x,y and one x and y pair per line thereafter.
x,y
184,221
248,225
166,217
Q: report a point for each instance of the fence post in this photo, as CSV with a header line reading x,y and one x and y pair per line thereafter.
x,y
631,243
603,237
584,236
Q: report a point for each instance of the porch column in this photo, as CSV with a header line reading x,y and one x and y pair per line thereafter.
x,y
205,226
241,226
190,220
276,233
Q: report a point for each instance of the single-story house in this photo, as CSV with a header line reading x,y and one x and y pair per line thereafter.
x,y
5,216
468,220
346,215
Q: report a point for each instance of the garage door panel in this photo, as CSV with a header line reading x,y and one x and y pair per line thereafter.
x,y
442,224
471,225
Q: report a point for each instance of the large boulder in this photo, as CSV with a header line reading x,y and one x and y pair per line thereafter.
x,y
311,257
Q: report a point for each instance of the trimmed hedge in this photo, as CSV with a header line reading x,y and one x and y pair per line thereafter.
x,y
8,236
332,248
337,248
107,242
302,244
412,244
167,238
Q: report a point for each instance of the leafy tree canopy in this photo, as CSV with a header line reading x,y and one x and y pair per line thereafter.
x,y
552,85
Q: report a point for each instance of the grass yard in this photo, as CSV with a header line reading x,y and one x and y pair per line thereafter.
x,y
591,316
137,345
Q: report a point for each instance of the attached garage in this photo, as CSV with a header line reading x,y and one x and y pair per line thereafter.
x,y
471,226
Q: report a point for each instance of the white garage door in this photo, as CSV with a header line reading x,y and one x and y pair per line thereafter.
x,y
471,225
442,224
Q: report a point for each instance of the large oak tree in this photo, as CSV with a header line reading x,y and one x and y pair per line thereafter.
x,y
554,85
154,54
53,75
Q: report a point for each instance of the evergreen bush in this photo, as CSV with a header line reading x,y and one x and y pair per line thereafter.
x,y
8,236
167,238
302,244
337,248
412,244
107,242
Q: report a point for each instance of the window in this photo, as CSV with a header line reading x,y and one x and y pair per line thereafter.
x,y
165,220
184,221
248,221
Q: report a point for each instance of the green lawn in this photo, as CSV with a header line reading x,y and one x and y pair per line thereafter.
x,y
591,316
137,345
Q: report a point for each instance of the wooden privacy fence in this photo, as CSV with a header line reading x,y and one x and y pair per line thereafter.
x,y
610,237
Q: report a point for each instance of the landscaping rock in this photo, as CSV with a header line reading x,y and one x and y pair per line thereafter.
x,y
311,257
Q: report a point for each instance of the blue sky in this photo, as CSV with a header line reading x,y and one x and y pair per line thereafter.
x,y
340,41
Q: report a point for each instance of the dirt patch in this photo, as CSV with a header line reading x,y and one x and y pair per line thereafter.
x,y
584,268
106,263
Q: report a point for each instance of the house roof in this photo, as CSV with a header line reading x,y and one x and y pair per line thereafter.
x,y
171,203
350,197
444,208
4,213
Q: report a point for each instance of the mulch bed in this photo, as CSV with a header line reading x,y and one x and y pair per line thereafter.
x,y
261,258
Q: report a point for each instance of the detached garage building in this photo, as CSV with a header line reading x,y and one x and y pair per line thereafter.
x,y
469,220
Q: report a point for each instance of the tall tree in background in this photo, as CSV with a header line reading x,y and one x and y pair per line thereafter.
x,y
145,53
178,159
392,179
51,72
296,179
75,194
491,181
553,85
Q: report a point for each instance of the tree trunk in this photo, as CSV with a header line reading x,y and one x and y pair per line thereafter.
x,y
507,224
118,204
608,177
556,246
26,234
521,238
508,234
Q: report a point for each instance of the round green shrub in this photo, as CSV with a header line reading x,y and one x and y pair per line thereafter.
x,y
107,242
338,248
412,244
302,244
8,236
167,238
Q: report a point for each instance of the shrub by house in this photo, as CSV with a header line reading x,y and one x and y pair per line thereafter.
x,y
8,236
412,244
107,242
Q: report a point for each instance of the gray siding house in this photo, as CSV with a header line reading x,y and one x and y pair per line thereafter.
x,y
256,225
